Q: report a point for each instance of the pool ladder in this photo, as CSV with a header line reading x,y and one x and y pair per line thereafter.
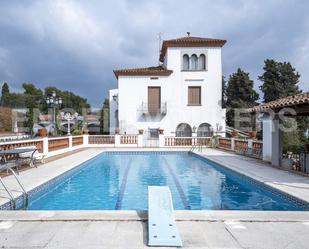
x,y
197,145
25,194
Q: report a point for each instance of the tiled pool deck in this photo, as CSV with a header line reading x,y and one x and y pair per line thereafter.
x,y
128,229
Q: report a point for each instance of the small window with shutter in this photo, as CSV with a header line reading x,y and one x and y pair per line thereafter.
x,y
194,95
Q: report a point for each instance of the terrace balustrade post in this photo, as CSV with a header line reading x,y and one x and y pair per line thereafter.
x,y
85,140
117,140
250,146
140,140
233,144
161,140
45,145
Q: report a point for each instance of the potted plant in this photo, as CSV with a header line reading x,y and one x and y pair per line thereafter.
x,y
234,133
140,131
85,131
252,134
42,132
77,132
117,131
161,131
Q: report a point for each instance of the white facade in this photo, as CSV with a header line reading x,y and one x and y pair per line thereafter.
x,y
133,91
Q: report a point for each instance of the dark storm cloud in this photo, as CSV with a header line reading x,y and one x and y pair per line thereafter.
x,y
75,45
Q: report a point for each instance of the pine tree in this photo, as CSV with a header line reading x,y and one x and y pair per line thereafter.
x,y
240,94
279,79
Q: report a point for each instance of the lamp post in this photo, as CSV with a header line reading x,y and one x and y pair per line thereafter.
x,y
69,117
53,101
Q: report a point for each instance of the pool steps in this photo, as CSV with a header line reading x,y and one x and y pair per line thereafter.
x,y
162,230
12,198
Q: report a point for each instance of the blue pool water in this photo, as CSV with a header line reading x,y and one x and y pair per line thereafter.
x,y
120,180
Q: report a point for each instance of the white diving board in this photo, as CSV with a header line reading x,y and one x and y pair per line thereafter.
x,y
162,230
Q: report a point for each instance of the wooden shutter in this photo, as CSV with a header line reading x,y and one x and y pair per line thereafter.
x,y
154,99
194,95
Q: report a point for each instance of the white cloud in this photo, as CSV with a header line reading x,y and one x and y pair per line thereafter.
x,y
78,43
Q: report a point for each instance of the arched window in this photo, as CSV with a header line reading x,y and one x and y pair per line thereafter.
x,y
183,130
193,62
202,62
205,130
185,62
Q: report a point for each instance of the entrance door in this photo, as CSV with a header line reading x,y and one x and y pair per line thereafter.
x,y
154,100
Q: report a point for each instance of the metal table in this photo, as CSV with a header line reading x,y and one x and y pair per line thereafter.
x,y
4,153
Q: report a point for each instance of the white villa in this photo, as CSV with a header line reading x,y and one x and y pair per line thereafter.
x,y
182,96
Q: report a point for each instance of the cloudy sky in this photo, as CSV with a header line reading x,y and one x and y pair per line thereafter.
x,y
75,45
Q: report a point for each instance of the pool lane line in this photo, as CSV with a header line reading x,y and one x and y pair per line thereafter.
x,y
178,186
123,185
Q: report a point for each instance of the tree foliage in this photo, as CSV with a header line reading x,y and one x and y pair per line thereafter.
x,y
69,99
279,79
104,121
224,97
5,119
5,91
34,98
240,94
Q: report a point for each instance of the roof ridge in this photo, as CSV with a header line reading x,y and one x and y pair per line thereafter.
x,y
300,98
190,41
143,71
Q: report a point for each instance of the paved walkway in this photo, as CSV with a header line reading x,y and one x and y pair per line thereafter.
x,y
285,181
127,229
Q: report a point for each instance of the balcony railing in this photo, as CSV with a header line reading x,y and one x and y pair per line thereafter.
x,y
153,109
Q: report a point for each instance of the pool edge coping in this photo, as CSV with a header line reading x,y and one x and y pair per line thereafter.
x,y
20,198
132,215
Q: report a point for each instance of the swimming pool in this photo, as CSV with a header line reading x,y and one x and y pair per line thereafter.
x,y
119,181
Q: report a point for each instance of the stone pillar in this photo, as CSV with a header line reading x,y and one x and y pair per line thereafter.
x,y
45,145
85,140
267,139
276,143
161,140
232,143
117,140
140,140
250,144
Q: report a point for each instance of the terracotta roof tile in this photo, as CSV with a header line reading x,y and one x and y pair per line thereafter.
x,y
146,71
298,99
190,41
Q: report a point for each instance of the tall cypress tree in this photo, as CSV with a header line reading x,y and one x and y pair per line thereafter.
x,y
5,94
240,94
279,79
223,95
